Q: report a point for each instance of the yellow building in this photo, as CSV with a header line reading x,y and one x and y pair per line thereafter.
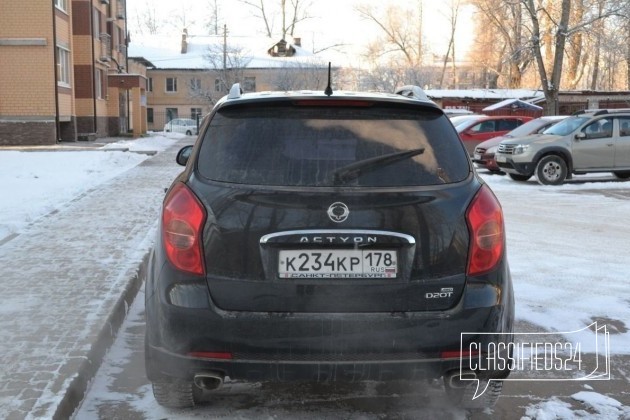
x,y
187,75
63,72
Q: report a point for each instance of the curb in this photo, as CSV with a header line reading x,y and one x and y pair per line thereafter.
x,y
75,392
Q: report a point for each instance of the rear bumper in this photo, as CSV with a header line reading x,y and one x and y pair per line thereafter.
x,y
162,363
183,341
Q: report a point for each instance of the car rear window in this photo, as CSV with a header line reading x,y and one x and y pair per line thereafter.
x,y
287,145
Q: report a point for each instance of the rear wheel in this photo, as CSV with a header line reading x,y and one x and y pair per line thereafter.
x,y
520,178
176,393
622,175
551,170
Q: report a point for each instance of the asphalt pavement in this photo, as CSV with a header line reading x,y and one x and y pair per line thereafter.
x,y
67,283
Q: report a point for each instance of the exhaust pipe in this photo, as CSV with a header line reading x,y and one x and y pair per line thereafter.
x,y
209,380
457,380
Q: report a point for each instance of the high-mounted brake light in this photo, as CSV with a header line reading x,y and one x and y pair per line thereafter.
x,y
487,232
183,218
333,102
211,355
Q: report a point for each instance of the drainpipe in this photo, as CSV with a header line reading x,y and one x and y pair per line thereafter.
x,y
56,71
94,119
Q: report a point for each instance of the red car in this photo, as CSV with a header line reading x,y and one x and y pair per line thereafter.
x,y
474,130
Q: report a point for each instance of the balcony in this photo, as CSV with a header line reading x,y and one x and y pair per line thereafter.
x,y
106,47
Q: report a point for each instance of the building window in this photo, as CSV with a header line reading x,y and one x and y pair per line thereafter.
x,y
171,84
150,115
218,85
62,5
194,113
195,84
96,23
249,84
99,84
171,114
63,66
150,84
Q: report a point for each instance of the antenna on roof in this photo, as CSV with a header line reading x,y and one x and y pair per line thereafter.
x,y
328,91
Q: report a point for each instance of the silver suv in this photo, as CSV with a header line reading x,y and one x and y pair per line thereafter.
x,y
591,141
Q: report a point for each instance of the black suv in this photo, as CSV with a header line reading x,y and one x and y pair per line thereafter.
x,y
325,237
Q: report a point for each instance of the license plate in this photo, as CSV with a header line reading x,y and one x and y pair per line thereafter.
x,y
477,156
500,158
338,263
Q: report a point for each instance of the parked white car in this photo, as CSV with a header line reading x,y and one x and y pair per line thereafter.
x,y
186,126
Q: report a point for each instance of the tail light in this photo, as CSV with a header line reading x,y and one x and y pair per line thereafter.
x,y
485,221
183,218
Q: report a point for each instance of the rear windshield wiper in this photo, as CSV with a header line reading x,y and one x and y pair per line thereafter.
x,y
356,169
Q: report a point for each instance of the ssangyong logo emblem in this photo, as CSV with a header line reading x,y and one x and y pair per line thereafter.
x,y
338,212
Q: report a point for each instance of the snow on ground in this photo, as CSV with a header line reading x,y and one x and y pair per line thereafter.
x,y
568,252
35,183
600,407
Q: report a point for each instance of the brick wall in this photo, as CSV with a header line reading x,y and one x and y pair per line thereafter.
x,y
31,133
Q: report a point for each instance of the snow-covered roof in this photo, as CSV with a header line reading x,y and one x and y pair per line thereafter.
x,y
513,104
484,93
165,52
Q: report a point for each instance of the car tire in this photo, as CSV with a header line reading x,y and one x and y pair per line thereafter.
x,y
520,178
622,175
463,397
189,133
551,170
176,393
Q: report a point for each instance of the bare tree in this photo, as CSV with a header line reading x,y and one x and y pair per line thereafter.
x,y
302,75
450,51
226,65
147,19
511,55
212,23
182,17
563,29
401,31
291,13
576,51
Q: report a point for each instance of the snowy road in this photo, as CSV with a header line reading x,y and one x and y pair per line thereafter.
x,y
569,253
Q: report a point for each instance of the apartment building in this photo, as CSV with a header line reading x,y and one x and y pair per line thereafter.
x,y
64,73
187,75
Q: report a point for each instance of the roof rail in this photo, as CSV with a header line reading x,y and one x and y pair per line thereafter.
x,y
600,111
235,91
412,91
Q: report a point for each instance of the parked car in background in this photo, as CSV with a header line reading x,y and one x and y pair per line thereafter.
x,y
327,237
186,126
483,127
458,120
456,112
484,152
593,141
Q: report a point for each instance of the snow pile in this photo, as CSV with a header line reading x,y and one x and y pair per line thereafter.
x,y
598,407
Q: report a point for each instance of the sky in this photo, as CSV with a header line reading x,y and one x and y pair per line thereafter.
x,y
568,252
333,22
